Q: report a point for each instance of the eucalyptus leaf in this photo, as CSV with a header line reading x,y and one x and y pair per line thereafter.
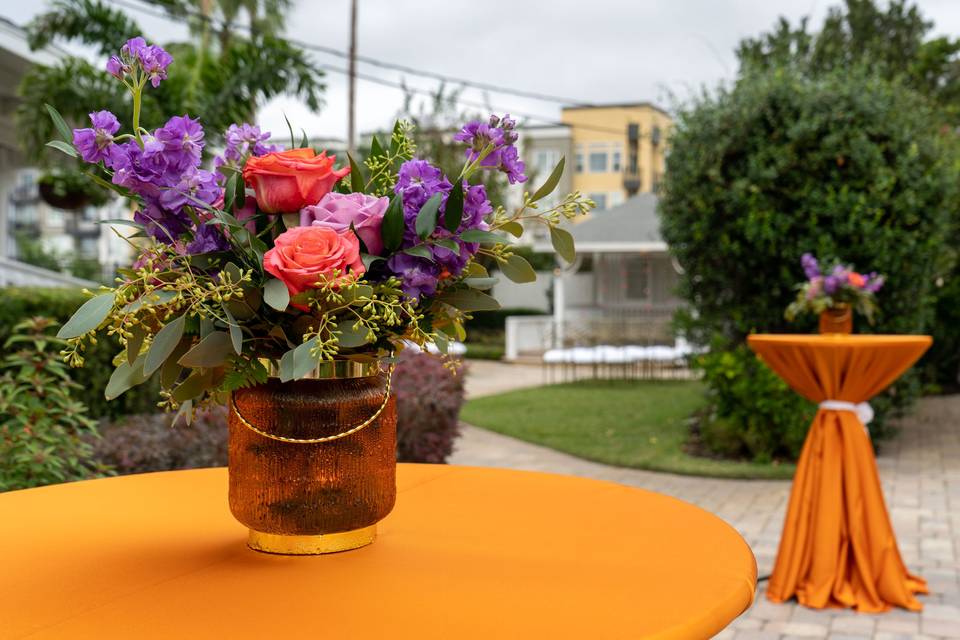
x,y
513,227
65,147
481,283
563,243
448,243
483,237
391,229
126,376
476,270
547,187
135,342
469,300
368,260
164,343
420,251
65,132
453,212
88,317
276,294
426,221
518,269
236,334
442,342
170,371
212,351
349,338
194,386
185,411
298,362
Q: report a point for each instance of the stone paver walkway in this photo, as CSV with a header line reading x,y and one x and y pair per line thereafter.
x,y
920,471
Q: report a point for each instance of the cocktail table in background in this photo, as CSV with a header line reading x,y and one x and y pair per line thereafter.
x,y
467,553
838,548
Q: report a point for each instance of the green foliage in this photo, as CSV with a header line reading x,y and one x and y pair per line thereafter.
x,y
427,423
781,164
32,251
889,42
752,413
59,304
41,424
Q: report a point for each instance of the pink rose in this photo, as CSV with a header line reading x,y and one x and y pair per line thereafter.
x,y
302,256
339,210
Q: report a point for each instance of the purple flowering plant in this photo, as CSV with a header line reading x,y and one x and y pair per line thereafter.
x,y
835,286
265,261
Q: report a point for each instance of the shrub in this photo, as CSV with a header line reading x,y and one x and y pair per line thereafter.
x,y
429,397
847,165
59,304
40,423
138,444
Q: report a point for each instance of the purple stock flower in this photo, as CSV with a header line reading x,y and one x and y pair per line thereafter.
x,y
94,144
417,181
418,276
182,139
242,141
151,58
831,284
810,267
165,226
195,185
874,282
207,238
494,138
154,61
512,165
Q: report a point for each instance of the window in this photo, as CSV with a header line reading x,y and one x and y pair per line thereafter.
x,y
579,159
638,279
598,162
600,199
544,160
615,161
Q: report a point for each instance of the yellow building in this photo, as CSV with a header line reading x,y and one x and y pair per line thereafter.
x,y
618,150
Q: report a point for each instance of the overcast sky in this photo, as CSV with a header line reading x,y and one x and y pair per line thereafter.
x,y
594,51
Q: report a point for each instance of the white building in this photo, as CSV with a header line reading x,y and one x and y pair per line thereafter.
x,y
22,211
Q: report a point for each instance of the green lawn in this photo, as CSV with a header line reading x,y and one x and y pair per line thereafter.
x,y
641,424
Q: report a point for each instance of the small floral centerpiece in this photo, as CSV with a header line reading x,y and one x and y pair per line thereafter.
x,y
274,267
833,293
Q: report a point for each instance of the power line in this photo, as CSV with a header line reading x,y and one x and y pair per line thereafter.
x,y
484,86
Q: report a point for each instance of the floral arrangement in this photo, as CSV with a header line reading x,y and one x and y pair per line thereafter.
x,y
273,261
838,285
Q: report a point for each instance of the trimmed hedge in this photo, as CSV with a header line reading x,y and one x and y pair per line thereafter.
x,y
59,304
849,165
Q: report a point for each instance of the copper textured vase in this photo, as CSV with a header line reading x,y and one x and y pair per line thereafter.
x,y
313,462
838,319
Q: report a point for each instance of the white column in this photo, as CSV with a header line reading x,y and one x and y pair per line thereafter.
x,y
559,308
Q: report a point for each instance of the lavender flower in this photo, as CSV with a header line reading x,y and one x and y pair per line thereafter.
x,y
479,136
194,185
874,282
118,68
164,226
152,59
417,181
94,143
831,284
494,140
810,267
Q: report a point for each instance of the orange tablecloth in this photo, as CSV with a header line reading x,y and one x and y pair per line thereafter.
x,y
467,553
838,548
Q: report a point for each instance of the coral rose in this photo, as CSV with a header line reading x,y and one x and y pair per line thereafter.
x,y
856,279
287,181
340,210
302,256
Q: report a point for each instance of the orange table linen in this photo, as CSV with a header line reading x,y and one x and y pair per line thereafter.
x,y
838,548
467,553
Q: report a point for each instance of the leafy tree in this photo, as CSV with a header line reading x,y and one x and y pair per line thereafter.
x,y
845,165
220,76
891,42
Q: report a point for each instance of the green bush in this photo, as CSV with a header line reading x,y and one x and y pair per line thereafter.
x,y
41,424
19,304
848,165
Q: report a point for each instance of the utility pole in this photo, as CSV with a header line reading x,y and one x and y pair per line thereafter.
x,y
352,90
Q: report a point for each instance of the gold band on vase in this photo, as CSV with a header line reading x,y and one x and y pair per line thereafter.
x,y
311,545
332,369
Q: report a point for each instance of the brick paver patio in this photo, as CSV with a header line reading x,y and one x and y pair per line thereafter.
x,y
920,471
